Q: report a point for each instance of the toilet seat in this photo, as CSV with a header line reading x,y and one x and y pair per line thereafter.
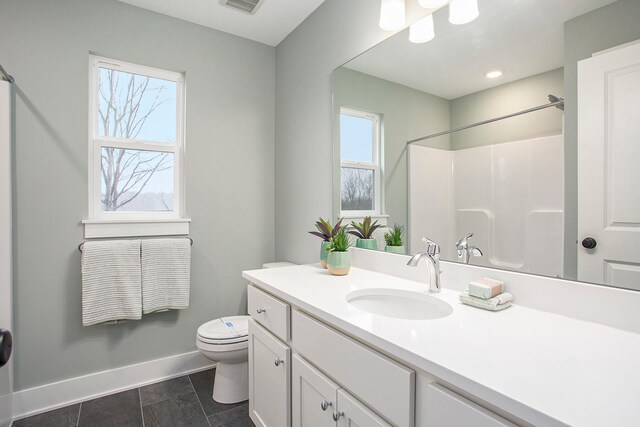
x,y
222,348
225,331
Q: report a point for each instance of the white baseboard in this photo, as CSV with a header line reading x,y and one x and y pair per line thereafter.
x,y
56,395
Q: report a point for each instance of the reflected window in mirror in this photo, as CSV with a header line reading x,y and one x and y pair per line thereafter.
x,y
360,141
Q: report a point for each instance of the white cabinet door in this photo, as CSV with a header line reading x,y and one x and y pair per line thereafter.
x,y
269,379
448,409
608,172
314,396
352,413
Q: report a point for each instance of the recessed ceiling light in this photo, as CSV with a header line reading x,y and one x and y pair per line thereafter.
x,y
494,74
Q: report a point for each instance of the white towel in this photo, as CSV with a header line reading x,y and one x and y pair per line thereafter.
x,y
111,279
166,271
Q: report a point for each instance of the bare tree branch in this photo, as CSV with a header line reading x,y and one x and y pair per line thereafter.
x,y
357,192
123,113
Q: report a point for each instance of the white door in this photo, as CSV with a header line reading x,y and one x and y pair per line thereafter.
x,y
313,396
609,168
352,413
6,390
269,379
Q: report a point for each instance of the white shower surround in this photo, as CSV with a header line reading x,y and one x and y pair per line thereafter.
x,y
510,195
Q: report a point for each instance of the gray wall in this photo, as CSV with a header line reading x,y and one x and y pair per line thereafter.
x,y
336,32
406,113
504,99
601,29
45,45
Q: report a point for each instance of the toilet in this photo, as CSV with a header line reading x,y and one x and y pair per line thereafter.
x,y
225,341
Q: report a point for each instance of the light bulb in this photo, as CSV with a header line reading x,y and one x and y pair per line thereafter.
x,y
433,4
422,31
392,15
463,11
494,74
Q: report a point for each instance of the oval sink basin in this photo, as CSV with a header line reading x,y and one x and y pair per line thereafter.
x,y
399,304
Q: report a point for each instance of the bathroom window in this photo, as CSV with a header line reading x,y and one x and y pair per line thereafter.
x,y
136,149
359,163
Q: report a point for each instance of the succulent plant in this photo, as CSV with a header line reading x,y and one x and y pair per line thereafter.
x,y
394,237
364,229
325,231
339,242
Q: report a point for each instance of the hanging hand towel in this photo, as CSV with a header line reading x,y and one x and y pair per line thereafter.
x,y
166,271
111,281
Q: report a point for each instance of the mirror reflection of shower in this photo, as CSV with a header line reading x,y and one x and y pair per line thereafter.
x,y
509,196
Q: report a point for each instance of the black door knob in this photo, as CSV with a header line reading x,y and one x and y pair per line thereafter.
x,y
589,243
6,344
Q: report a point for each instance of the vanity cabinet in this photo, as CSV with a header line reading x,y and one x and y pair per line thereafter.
x,y
317,401
303,372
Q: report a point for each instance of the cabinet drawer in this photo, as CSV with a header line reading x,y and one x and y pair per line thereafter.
x,y
270,312
378,381
448,409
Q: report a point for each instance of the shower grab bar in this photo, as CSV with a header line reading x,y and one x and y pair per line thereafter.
x,y
6,75
555,102
80,245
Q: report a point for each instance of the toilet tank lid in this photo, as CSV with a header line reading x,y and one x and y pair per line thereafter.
x,y
225,328
277,264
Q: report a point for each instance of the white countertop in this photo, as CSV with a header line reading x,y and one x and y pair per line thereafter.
x,y
544,368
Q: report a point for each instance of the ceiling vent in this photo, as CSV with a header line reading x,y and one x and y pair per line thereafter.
x,y
248,6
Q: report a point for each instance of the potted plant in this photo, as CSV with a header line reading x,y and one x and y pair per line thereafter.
x,y
363,231
325,232
338,261
393,239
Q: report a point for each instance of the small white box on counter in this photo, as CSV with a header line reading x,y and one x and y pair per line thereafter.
x,y
485,288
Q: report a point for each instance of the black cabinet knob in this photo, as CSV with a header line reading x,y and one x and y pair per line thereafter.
x,y
589,243
6,344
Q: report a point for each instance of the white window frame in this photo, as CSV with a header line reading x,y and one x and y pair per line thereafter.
x,y
374,165
124,223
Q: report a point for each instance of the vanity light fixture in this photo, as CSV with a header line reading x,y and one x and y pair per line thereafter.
x,y
422,31
433,4
463,11
494,74
392,15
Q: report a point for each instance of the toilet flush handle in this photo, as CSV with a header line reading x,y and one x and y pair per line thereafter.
x,y
278,362
260,310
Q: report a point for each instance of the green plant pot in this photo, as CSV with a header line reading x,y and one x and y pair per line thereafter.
x,y
367,244
339,263
324,253
395,249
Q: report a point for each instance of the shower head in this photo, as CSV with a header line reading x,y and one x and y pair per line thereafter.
x,y
553,98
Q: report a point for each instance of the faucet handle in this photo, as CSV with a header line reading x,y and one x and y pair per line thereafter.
x,y
475,251
432,247
462,243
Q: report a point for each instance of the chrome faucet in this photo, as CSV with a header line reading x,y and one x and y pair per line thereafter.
x,y
465,251
433,256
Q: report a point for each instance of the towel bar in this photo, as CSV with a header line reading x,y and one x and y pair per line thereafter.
x,y
80,245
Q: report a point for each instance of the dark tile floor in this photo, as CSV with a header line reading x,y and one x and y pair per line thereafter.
x,y
180,402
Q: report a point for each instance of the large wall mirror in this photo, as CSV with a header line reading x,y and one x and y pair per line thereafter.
x,y
553,189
